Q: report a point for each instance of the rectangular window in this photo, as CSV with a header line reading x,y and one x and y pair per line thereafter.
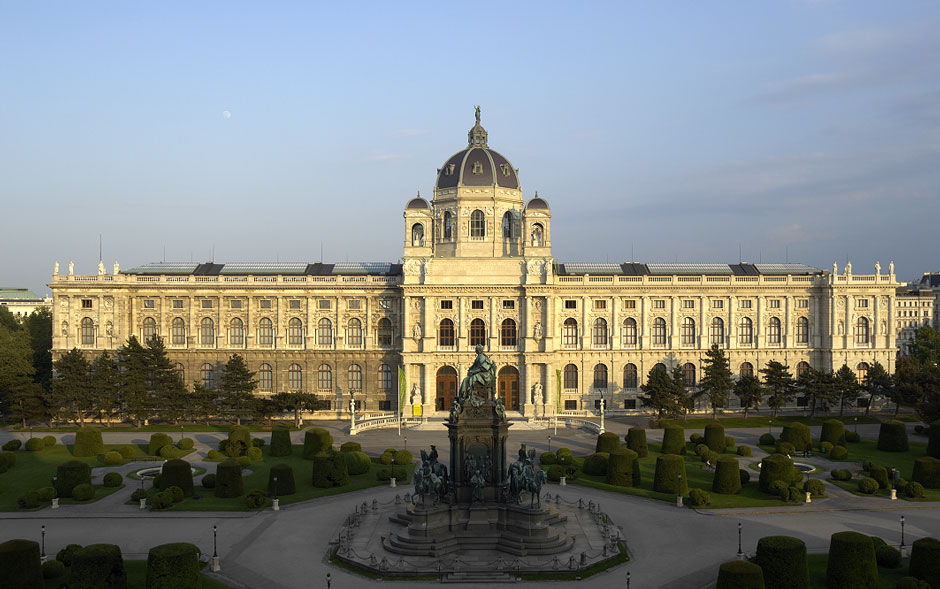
x,y
447,305
265,303
355,304
86,303
774,303
629,304
385,405
802,401
236,304
326,404
861,302
802,304
385,303
629,404
206,303
323,304
745,303
600,304
509,304
149,304
571,304
688,304
718,304
177,303
571,405
476,305
294,303
659,304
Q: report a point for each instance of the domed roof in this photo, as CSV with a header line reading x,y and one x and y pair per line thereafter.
x,y
477,165
418,203
537,203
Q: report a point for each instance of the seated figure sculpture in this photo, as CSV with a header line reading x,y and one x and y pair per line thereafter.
x,y
480,381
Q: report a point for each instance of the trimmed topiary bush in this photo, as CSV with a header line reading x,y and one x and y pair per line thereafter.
x,y
925,560
547,458
357,462
7,461
351,447
564,456
744,476
666,478
243,461
868,486
98,566
596,464
215,455
112,479
740,574
387,458
20,566
138,494
726,481
113,458
933,440
48,441
316,440
715,437
620,467
239,434
780,489
797,434
208,481
852,437
257,442
744,451
157,442
46,493
673,440
169,452
28,500
913,490
815,487
403,457
34,444
127,451
69,475
699,498
636,441
173,566
280,442
880,474
766,440
711,457
52,569
175,493
838,453
554,473
66,555
607,442
841,474
255,499
729,444
185,444
12,445
161,500
329,470
852,562
911,583
285,480
826,447
775,467
927,472
255,454
832,431
83,492
701,450
783,561
892,437
177,473
887,557
87,442
228,480
785,448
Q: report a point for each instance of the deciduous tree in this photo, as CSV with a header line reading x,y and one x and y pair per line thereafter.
x,y
778,382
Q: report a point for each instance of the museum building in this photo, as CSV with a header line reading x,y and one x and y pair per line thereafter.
x,y
477,269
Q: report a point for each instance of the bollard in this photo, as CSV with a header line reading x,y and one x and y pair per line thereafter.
x,y
277,505
809,497
215,564
894,494
392,485
55,503
678,500
562,482
143,503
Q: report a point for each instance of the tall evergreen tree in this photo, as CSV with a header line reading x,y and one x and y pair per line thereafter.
x,y
202,403
847,387
660,394
928,406
19,395
237,387
748,389
134,382
71,389
167,389
716,383
878,383
680,391
906,389
105,377
778,382
926,347
39,327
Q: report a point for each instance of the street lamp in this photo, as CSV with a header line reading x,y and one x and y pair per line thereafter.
x,y
902,535
275,487
549,443
181,433
628,579
856,424
679,490
43,555
215,544
740,552
329,580
406,441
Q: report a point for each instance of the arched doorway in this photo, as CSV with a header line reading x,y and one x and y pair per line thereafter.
x,y
507,387
446,388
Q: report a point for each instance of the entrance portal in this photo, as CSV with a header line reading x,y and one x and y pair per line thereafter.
x,y
446,388
507,387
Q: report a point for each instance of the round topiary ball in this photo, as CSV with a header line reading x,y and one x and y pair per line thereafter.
x,y
48,441
744,451
52,569
186,444
83,492
868,486
127,451
243,461
113,458
699,498
357,462
403,457
740,574
208,481
815,487
34,444
255,454
112,479
351,447
766,440
914,490
157,442
851,561
547,458
838,453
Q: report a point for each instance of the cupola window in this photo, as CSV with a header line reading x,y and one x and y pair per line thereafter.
x,y
448,225
477,227
449,169
537,235
504,168
507,226
477,168
417,235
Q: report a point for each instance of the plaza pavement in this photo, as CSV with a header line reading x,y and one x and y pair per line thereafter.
x,y
669,547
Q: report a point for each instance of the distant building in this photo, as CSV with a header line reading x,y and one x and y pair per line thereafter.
x,y
22,301
918,304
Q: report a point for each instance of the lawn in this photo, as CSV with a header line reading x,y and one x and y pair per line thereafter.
x,y
205,499
887,578
768,421
137,577
166,428
749,495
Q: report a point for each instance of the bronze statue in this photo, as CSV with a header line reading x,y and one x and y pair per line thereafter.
x,y
430,477
480,382
523,475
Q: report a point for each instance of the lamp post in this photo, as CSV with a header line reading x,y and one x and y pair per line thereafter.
x,y
740,552
55,498
352,413
679,490
406,441
42,557
181,433
277,505
894,484
549,443
215,549
902,537
329,580
856,424
628,579
602,411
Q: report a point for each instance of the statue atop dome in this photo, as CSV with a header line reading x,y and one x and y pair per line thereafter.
x,y
477,112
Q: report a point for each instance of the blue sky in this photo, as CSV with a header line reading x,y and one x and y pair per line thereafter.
x,y
676,130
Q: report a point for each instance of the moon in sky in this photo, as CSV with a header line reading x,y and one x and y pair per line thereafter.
x,y
226,114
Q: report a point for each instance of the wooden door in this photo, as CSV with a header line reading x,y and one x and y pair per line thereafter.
x,y
446,389
507,387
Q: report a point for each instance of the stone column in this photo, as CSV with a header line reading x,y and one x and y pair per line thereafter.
x,y
525,389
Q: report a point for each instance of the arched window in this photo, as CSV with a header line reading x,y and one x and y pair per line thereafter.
x,y
180,372
861,372
325,378
384,332
802,330
354,333
716,332
88,332
266,332
801,369
629,331
629,376
687,332
507,333
178,332
773,331
324,332
385,377
659,332
417,235
265,378
150,329
477,333
599,332
354,377
207,374
446,335
477,224
295,377
569,333
236,332
571,377
688,374
295,332
600,376
745,332
507,226
659,367
537,233
207,332
448,225
861,331
747,369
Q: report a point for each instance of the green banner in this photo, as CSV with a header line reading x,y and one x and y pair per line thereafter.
x,y
558,391
401,390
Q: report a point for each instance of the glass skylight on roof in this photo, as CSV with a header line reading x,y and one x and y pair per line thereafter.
x,y
786,269
264,268
689,269
361,268
164,268
592,268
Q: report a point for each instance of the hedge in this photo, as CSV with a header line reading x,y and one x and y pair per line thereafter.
x,y
87,442
547,458
933,440
699,498
841,474
113,458
607,442
280,442
727,481
766,440
715,436
783,561
98,566
886,556
620,468
832,431
112,479
329,470
19,563
351,447
228,480
744,476
775,467
815,487
852,562
911,583
69,475
240,433
892,437
927,472
52,569
925,561
666,477
157,442
744,451
34,444
285,480
185,444
868,486
740,574
66,555
11,445
852,437
636,441
838,453
596,464
554,473
880,474
173,566
402,457
357,462
177,473
673,440
913,490
316,440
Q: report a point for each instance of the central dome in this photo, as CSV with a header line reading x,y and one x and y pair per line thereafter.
x,y
477,165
